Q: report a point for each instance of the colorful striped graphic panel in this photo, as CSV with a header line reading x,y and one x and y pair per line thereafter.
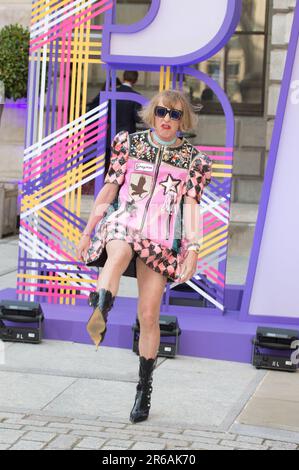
x,y
209,281
65,148
215,210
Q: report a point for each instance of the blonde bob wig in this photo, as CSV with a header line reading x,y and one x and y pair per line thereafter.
x,y
170,100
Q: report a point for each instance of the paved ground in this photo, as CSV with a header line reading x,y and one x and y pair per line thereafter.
x,y
61,395
66,396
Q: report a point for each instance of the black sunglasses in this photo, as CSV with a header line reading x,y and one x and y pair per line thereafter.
x,y
174,114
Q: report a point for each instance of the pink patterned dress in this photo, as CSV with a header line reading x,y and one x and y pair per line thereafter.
x,y
148,210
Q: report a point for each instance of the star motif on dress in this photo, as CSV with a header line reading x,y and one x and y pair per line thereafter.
x,y
170,184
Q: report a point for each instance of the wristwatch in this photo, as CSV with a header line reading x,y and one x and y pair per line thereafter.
x,y
194,247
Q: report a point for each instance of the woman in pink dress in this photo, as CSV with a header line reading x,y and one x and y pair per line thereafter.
x,y
147,224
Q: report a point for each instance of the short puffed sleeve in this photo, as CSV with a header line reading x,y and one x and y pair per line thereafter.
x,y
118,160
199,176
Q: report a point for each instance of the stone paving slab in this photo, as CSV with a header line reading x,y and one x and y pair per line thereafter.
x,y
8,280
272,434
275,403
201,391
8,262
187,391
129,437
271,413
280,386
72,359
22,390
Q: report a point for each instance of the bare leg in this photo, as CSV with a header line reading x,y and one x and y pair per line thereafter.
x,y
119,254
151,286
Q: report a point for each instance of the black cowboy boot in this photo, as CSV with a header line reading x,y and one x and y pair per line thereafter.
x,y
102,302
142,403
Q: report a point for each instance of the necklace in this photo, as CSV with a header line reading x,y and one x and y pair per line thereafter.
x,y
165,143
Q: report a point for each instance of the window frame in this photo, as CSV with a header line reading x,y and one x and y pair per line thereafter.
x,y
244,109
240,109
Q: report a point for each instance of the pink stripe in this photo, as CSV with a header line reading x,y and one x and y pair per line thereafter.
x,y
61,87
220,283
223,158
52,245
66,21
88,18
56,293
94,26
34,6
41,159
216,149
54,163
213,227
69,138
47,294
48,242
218,273
67,80
86,144
202,266
52,285
209,220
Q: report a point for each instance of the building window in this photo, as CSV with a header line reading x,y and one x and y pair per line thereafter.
x,y
239,68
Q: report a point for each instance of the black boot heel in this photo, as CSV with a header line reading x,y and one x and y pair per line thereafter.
x,y
144,389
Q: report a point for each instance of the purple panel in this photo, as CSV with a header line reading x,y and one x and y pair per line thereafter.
x,y
215,337
268,182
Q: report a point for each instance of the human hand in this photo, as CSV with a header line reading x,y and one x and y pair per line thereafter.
x,y
189,267
81,250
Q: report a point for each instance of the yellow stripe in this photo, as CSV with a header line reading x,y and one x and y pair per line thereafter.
x,y
213,240
167,80
72,106
228,167
211,250
215,232
87,42
49,11
161,87
84,105
74,74
31,201
85,54
53,219
81,87
49,217
55,278
79,73
91,61
45,192
221,175
41,4
69,173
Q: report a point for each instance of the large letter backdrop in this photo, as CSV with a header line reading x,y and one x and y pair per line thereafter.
x,y
65,145
65,148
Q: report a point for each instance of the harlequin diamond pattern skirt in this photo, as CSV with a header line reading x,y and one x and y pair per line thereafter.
x,y
163,260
